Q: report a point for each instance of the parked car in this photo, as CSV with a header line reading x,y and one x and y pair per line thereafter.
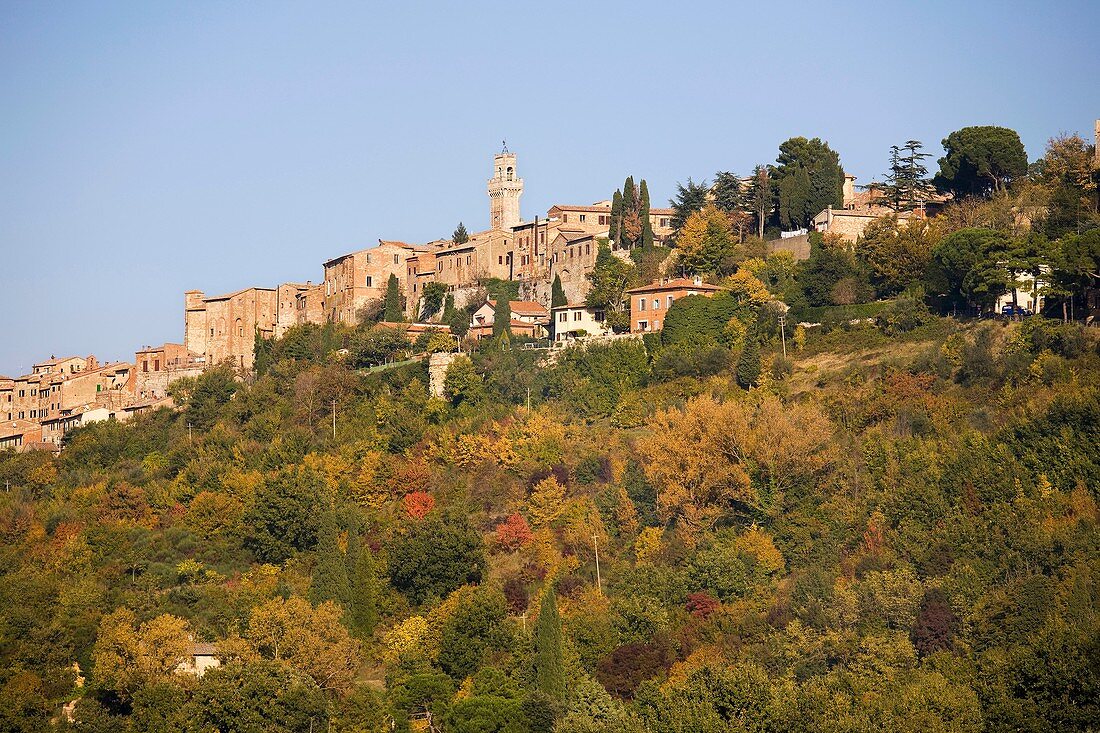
x,y
1011,310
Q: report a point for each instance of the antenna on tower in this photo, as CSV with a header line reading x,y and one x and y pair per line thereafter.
x,y
504,146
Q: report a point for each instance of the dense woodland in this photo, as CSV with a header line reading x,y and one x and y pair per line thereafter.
x,y
894,528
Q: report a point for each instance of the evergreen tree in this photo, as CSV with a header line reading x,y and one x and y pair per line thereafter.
x,y
502,318
330,577
689,199
460,235
363,572
809,179
557,297
727,191
907,183
448,308
392,311
761,197
748,364
616,216
643,213
630,225
549,667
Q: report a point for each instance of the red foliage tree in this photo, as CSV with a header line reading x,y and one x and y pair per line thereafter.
x,y
701,604
513,533
418,504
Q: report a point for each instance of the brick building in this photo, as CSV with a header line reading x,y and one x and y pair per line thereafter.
x,y
649,304
224,327
156,367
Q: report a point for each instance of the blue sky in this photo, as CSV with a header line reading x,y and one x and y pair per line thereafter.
x,y
150,148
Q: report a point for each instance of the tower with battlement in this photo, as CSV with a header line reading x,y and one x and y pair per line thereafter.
x,y
505,188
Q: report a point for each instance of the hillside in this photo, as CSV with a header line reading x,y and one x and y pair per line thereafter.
x,y
894,530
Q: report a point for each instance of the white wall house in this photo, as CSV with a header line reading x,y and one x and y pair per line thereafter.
x,y
576,321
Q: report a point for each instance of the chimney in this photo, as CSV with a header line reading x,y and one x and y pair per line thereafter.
x,y
697,280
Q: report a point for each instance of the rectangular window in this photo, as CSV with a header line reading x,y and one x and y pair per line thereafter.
x,y
656,325
439,266
145,366
671,298
582,217
588,249
643,325
500,260
577,316
656,304
641,304
397,259
34,414
156,365
664,222
564,218
563,317
368,259
370,281
603,220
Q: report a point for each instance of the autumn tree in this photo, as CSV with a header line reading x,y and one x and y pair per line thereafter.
x,y
705,243
311,640
896,256
128,656
513,533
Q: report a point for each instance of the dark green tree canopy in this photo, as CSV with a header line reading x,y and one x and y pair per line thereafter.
x,y
690,197
460,235
394,309
981,161
808,178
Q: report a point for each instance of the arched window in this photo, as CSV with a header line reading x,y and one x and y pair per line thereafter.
x,y
240,328
510,173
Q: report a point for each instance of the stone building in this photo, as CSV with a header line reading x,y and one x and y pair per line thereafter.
x,y
357,278
505,189
224,327
156,367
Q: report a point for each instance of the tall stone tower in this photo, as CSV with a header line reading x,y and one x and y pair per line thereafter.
x,y
505,188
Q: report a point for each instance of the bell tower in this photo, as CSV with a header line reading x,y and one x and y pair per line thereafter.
x,y
505,188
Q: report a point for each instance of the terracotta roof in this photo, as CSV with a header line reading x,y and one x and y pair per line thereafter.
x,y
227,296
524,307
201,649
575,236
586,209
679,283
662,212
56,360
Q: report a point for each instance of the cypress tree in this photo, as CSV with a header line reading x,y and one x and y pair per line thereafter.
x,y
502,318
549,668
392,311
557,296
616,216
330,577
629,211
363,571
748,364
448,308
643,212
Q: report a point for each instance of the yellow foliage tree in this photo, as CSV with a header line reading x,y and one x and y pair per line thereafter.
x,y
648,546
128,657
312,640
744,286
758,544
547,502
405,639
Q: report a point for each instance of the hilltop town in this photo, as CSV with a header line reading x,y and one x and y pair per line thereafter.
x,y
545,266
791,455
